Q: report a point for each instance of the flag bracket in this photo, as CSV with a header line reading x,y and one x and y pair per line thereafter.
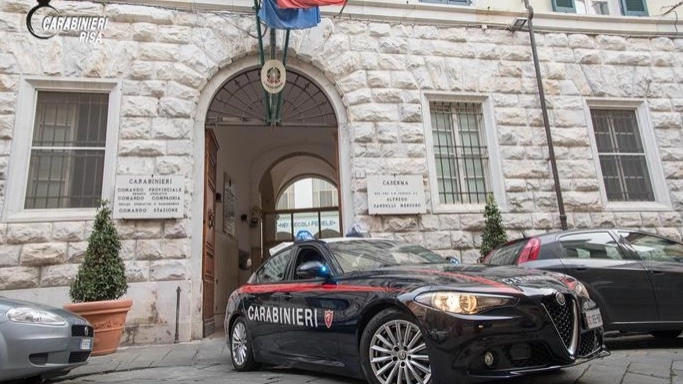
x,y
273,101
271,16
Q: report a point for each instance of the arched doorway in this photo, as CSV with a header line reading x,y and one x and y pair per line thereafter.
x,y
247,150
240,103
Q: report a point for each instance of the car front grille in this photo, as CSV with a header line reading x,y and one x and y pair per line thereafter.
x,y
591,341
78,357
564,318
82,330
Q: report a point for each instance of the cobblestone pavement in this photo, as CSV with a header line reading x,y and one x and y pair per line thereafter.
x,y
636,359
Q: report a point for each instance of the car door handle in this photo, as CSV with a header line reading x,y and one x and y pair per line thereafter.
x,y
656,272
287,296
580,269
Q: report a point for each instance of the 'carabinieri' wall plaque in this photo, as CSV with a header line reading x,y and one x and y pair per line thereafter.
x,y
148,197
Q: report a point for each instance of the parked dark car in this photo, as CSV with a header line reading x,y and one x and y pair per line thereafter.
x,y
38,341
394,313
635,277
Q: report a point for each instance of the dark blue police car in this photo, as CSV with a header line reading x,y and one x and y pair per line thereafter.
x,y
395,313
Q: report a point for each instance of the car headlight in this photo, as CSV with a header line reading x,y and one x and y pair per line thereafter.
x,y
580,290
34,316
463,303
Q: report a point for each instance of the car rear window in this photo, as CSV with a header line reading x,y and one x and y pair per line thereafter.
x,y
507,254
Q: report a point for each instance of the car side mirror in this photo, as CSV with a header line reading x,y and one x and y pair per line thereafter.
x,y
312,270
452,260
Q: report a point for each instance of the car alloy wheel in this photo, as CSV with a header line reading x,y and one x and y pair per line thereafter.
x,y
239,343
398,353
240,352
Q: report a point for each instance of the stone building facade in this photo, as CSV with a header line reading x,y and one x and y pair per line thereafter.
x,y
162,64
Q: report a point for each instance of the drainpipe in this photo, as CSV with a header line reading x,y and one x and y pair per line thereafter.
x,y
544,109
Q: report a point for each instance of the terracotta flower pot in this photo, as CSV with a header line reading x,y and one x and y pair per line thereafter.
x,y
108,318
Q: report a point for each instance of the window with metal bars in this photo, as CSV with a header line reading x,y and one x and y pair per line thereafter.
x,y
625,173
460,153
67,150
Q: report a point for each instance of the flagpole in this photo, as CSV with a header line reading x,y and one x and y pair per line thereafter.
x,y
280,97
273,46
262,58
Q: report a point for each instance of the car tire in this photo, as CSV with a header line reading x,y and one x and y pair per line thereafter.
x,y
391,345
666,334
241,352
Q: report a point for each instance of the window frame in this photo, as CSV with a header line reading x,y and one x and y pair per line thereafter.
x,y
495,170
614,8
20,156
594,11
662,201
626,12
557,8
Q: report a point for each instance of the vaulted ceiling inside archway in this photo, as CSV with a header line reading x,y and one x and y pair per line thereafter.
x,y
240,102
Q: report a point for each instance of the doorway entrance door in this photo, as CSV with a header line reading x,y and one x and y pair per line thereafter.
x,y
208,261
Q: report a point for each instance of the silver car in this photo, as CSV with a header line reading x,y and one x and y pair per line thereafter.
x,y
39,341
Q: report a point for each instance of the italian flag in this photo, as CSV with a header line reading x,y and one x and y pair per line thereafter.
x,y
307,3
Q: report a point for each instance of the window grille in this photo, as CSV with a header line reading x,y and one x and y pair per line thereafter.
x,y
67,150
460,152
625,173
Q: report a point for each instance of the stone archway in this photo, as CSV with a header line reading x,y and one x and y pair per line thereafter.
x,y
230,100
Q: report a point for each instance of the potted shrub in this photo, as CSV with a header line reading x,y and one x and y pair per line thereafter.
x,y
494,230
100,283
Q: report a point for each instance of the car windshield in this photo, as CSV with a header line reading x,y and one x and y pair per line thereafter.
x,y
363,255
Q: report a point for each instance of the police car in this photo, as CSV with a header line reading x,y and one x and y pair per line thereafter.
x,y
392,312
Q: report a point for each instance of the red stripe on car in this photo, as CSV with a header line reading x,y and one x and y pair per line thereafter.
x,y
307,287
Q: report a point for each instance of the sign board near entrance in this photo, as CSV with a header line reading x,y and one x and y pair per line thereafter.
x,y
149,197
396,195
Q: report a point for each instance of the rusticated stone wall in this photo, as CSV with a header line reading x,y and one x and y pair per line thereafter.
x,y
164,57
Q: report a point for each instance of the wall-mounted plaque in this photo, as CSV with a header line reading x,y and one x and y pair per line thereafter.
x,y
149,197
396,195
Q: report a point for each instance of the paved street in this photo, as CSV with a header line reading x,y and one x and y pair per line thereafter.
x,y
634,360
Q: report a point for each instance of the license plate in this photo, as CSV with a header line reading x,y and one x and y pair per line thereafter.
x,y
86,343
593,318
